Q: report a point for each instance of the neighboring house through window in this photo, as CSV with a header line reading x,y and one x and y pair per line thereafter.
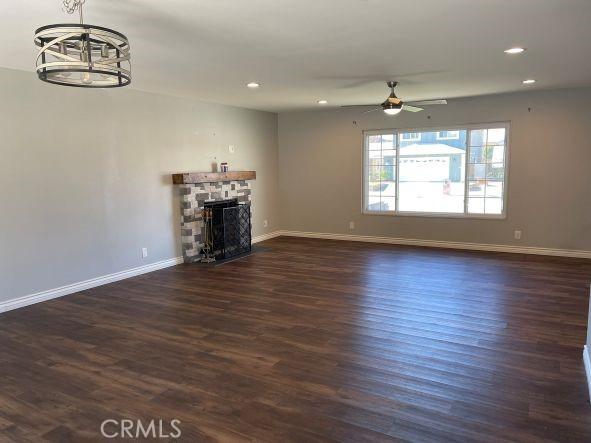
x,y
411,136
448,135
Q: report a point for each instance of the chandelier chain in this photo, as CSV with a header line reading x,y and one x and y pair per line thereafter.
x,y
71,6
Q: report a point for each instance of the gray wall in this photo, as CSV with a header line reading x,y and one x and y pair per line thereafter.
x,y
85,176
549,183
589,328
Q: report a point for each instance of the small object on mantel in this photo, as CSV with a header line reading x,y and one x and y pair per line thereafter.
x,y
212,177
224,167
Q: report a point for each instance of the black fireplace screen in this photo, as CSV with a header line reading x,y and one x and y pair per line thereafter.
x,y
236,230
230,228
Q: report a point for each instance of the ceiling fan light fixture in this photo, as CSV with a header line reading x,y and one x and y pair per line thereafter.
x,y
391,108
392,111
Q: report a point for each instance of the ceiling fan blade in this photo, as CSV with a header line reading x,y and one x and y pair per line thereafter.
x,y
372,110
358,106
429,102
411,108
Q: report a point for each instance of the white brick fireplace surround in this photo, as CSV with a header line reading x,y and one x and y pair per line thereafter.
x,y
198,188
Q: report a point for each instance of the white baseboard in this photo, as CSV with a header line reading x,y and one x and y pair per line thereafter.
x,y
442,244
87,284
587,361
92,283
260,238
99,281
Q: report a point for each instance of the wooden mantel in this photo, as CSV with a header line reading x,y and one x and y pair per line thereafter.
x,y
212,177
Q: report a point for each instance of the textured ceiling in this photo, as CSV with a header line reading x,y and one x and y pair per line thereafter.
x,y
339,50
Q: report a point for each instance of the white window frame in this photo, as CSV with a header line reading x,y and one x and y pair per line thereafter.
x,y
465,214
412,139
456,135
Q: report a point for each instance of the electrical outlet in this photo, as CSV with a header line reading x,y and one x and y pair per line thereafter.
x,y
351,225
232,149
144,252
517,235
265,224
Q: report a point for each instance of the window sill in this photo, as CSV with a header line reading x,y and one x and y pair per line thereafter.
x,y
436,215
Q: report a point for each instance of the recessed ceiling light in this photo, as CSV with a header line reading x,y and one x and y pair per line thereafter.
x,y
322,102
516,50
252,85
529,81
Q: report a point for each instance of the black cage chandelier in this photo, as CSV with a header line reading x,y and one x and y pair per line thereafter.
x,y
82,55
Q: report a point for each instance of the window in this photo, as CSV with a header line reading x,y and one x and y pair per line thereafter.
x,y
456,172
448,135
411,136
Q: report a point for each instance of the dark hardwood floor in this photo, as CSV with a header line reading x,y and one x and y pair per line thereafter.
x,y
311,341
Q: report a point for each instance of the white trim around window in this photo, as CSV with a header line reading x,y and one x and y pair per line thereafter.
x,y
396,135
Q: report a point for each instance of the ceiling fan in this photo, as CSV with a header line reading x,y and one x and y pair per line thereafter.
x,y
393,105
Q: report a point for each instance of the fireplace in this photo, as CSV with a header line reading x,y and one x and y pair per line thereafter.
x,y
230,228
198,189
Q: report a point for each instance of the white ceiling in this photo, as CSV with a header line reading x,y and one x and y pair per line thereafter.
x,y
339,50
